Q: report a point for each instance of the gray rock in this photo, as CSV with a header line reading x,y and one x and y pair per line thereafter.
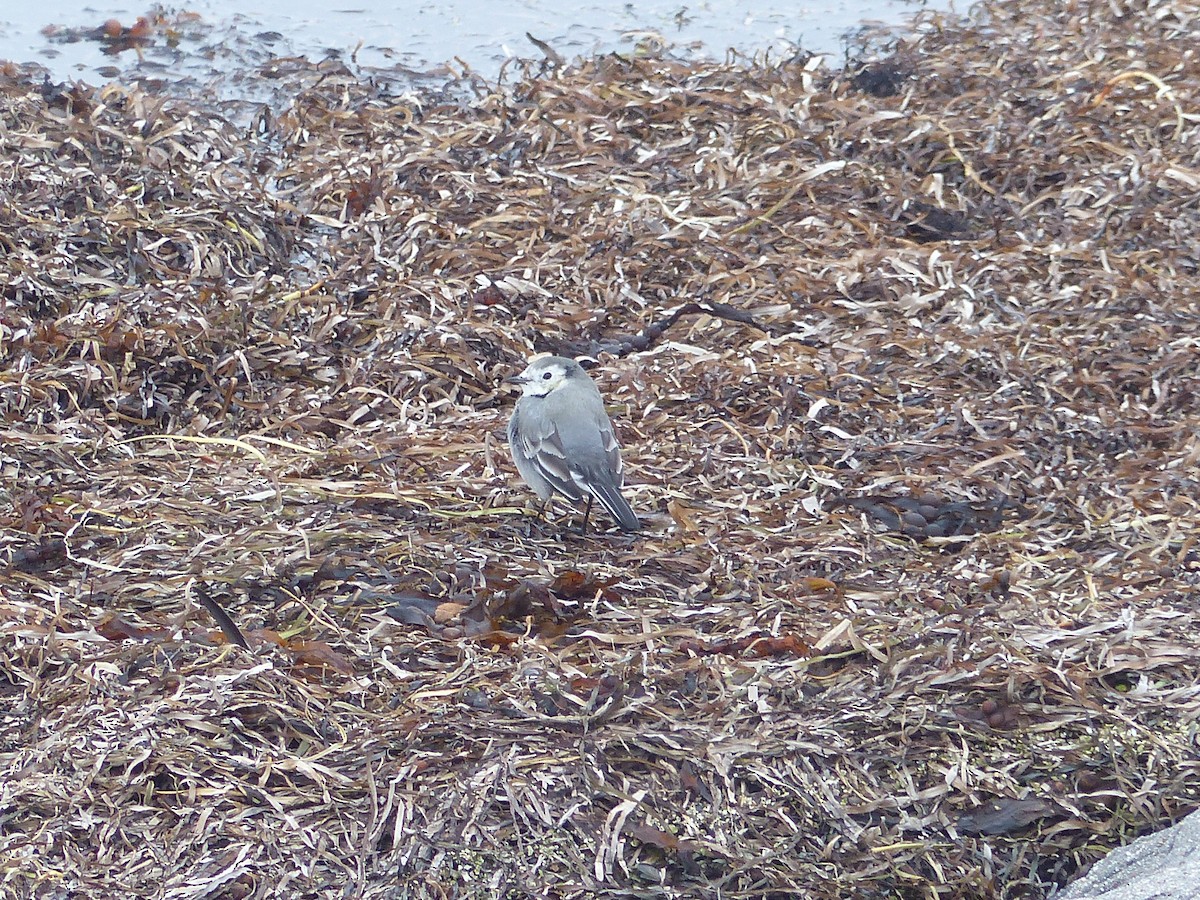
x,y
1160,866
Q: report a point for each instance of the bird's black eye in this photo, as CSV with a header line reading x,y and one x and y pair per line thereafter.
x,y
546,376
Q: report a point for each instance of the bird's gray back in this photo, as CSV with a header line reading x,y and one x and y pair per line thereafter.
x,y
587,437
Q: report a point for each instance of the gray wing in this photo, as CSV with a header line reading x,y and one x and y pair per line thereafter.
x,y
612,452
602,474
585,444
581,443
540,456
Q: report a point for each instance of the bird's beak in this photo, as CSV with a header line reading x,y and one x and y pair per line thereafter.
x,y
516,379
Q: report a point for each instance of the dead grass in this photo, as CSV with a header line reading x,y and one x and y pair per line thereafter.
x,y
905,364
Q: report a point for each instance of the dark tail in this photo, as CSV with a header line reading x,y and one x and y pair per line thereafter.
x,y
618,507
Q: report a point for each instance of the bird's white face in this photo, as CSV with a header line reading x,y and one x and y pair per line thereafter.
x,y
541,377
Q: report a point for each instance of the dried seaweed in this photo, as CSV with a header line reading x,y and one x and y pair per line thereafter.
x,y
260,372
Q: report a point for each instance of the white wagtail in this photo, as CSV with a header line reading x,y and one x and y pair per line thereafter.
x,y
562,440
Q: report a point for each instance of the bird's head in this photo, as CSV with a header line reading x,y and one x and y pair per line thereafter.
x,y
546,374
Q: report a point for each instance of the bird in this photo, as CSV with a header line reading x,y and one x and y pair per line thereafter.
x,y
563,441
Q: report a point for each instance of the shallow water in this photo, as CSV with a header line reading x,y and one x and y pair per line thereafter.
x,y
212,36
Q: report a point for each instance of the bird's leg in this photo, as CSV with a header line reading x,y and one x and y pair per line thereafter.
x,y
586,512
